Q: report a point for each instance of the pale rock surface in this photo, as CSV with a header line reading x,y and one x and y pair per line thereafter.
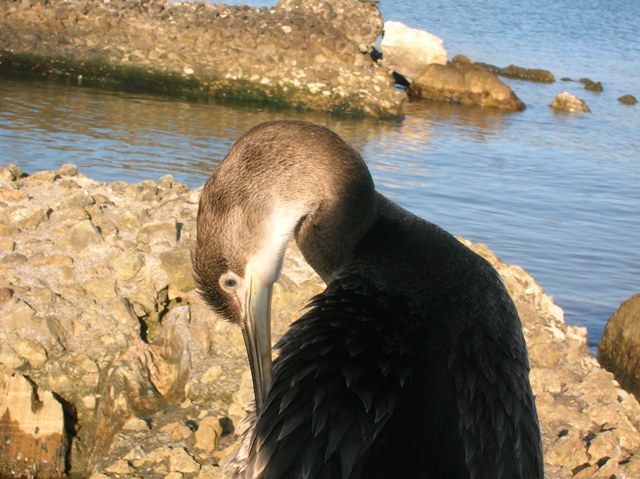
x,y
407,51
619,348
570,103
149,347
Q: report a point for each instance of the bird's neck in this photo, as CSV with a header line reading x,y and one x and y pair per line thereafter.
x,y
328,235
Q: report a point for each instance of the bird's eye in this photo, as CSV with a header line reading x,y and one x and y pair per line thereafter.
x,y
230,281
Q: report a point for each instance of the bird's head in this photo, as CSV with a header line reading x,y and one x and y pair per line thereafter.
x,y
280,179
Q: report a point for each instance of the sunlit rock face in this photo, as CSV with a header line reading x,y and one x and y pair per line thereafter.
x,y
569,103
619,348
407,51
309,54
97,309
464,85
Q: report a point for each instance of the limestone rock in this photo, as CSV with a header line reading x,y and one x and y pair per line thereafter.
x,y
468,86
619,348
310,54
360,21
82,235
32,432
77,319
408,51
177,264
208,434
144,380
570,103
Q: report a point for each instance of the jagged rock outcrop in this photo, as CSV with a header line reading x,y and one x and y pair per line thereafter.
x,y
408,51
306,54
93,302
570,103
619,348
468,86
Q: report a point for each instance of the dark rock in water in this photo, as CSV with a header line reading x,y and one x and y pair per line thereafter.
x,y
570,103
591,85
531,74
628,99
619,348
468,86
512,71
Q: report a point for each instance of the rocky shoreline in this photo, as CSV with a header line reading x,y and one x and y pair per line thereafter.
x,y
99,312
302,54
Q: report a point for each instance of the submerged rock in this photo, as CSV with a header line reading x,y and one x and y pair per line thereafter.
x,y
408,51
591,85
619,348
512,71
468,86
570,103
530,74
628,99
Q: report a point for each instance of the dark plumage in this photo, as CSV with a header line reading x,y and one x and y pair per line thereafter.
x,y
411,364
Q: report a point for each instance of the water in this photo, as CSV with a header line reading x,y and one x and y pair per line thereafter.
x,y
557,194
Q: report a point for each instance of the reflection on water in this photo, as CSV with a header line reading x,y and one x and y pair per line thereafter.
x,y
556,194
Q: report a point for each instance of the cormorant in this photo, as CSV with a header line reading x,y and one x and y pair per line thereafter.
x,y
412,362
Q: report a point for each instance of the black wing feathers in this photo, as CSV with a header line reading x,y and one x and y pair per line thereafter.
x,y
336,383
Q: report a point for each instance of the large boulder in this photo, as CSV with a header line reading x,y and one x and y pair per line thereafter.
x,y
310,54
407,51
619,348
468,86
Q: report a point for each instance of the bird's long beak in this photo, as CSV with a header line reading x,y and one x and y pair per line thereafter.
x,y
257,334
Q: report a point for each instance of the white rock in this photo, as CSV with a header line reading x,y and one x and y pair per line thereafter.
x,y
408,51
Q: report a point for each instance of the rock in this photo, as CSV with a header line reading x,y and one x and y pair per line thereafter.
x,y
570,103
360,21
32,431
628,100
32,352
10,195
68,170
177,265
29,218
83,235
208,434
181,461
531,74
176,431
47,176
144,380
11,172
619,348
591,85
468,86
408,51
85,333
512,71
126,264
311,54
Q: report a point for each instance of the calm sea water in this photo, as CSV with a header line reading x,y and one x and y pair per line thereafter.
x,y
557,194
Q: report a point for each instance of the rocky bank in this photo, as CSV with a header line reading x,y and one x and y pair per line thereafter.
x,y
311,54
101,328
